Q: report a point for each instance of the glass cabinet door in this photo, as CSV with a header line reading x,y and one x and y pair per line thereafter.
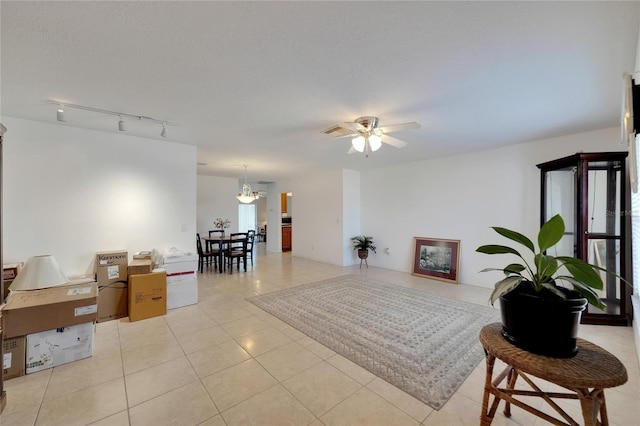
x,y
589,191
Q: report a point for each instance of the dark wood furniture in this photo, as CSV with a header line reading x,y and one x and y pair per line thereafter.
x,y
222,242
205,257
590,192
286,238
236,249
586,376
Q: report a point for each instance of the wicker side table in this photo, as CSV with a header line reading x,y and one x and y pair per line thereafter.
x,y
586,375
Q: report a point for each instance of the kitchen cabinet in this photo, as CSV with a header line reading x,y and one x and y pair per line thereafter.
x,y
286,238
283,203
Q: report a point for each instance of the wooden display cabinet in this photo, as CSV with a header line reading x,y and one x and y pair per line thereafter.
x,y
590,192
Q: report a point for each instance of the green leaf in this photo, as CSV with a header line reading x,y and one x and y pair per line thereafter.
x,y
515,236
505,286
497,249
554,289
585,291
582,271
550,233
514,268
547,266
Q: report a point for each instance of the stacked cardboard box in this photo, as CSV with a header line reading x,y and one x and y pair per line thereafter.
x,y
147,295
13,350
9,272
3,394
31,312
111,275
59,346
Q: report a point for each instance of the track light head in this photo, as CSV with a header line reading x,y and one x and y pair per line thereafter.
x,y
60,114
163,133
121,126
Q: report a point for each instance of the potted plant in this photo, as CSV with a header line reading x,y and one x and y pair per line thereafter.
x,y
363,244
539,313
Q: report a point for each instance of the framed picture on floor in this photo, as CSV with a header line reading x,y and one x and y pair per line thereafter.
x,y
436,258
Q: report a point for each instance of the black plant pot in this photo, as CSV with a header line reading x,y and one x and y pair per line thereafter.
x,y
542,323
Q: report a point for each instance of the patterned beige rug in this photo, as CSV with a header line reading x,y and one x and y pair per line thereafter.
x,y
423,344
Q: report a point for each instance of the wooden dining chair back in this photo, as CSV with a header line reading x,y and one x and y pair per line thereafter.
x,y
204,256
236,250
250,240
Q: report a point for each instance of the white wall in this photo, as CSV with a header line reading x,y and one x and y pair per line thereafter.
x,y
71,192
317,230
216,199
460,197
351,215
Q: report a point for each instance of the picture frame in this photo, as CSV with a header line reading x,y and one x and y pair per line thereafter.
x,y
436,258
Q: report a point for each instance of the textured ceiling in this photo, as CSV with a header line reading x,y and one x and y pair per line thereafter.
x,y
256,83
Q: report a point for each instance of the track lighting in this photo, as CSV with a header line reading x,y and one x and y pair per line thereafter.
x,y
60,114
122,126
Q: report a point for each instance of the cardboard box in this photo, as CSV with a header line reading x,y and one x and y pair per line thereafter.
x,y
140,266
182,293
111,266
143,255
13,356
9,272
113,301
59,346
147,295
32,311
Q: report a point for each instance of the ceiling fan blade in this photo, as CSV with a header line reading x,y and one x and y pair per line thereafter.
x,y
393,141
332,138
399,127
352,150
354,126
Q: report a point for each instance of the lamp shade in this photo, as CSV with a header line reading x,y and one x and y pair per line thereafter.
x,y
39,272
358,143
375,142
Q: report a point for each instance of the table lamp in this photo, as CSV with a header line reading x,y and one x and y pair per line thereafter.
x,y
39,272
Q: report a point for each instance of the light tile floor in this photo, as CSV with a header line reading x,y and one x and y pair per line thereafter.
x,y
226,362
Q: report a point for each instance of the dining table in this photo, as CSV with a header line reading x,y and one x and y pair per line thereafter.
x,y
222,241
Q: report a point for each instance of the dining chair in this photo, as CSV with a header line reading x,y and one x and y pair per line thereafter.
x,y
236,250
250,240
217,233
205,256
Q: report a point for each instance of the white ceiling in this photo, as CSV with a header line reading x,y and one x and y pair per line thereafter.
x,y
256,83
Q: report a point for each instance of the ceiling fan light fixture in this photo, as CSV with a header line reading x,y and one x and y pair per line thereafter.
x,y
358,143
375,142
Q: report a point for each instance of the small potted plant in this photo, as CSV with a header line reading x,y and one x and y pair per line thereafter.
x,y
363,244
539,314
221,224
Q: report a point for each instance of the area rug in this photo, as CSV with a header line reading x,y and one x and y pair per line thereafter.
x,y
424,344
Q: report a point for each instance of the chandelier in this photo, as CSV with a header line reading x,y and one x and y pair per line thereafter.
x,y
246,196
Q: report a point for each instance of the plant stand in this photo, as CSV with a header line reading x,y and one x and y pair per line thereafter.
x,y
363,254
586,376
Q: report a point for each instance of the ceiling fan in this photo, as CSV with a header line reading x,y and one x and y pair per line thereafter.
x,y
367,136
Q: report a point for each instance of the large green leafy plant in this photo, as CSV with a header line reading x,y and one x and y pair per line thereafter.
x,y
363,242
546,271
